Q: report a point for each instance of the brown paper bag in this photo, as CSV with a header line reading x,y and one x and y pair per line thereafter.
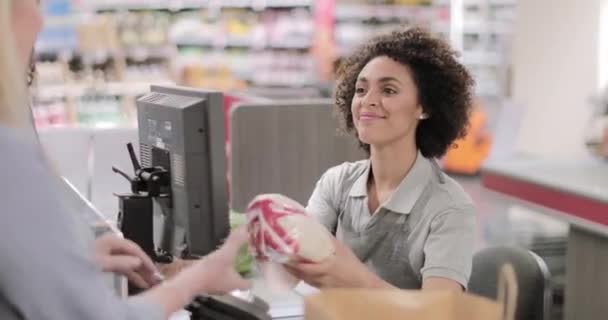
x,y
410,304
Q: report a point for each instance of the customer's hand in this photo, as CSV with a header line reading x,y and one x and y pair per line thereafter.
x,y
177,265
122,256
216,273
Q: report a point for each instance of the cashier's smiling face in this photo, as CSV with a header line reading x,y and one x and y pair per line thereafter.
x,y
385,106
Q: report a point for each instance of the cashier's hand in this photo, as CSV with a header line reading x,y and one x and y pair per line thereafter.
x,y
122,256
342,270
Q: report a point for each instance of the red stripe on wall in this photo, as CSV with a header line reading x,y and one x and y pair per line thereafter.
x,y
568,203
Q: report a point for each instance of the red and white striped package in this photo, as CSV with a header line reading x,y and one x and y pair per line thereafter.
x,y
281,231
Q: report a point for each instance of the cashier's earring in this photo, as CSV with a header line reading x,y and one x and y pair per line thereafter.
x,y
423,116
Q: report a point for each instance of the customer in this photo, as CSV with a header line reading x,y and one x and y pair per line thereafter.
x,y
399,220
46,272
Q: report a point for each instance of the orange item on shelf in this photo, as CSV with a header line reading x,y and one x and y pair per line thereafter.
x,y
473,149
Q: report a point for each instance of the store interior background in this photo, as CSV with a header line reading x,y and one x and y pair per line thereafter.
x,y
541,67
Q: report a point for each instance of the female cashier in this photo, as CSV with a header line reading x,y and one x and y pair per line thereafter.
x,y
398,219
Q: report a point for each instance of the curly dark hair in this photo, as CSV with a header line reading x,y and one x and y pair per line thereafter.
x,y
444,86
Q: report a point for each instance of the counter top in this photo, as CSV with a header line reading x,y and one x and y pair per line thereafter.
x,y
576,187
284,305
583,177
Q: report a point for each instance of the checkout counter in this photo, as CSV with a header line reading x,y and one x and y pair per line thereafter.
x,y
576,192
304,155
283,147
283,305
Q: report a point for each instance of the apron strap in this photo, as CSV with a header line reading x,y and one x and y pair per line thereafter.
x,y
415,215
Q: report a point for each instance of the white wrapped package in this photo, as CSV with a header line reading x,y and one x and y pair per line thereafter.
x,y
281,231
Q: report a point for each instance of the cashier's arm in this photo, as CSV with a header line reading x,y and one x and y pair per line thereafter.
x,y
437,283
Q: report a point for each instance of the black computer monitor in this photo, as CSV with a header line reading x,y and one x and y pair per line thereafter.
x,y
182,130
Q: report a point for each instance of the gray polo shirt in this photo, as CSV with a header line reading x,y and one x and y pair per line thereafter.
x,y
425,229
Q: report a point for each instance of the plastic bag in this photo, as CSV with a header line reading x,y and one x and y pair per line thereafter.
x,y
281,231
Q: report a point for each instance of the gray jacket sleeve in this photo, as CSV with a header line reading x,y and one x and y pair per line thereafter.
x,y
45,272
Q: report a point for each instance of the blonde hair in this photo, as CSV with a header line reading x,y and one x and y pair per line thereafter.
x,y
14,111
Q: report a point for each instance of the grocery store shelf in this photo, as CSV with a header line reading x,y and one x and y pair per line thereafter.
x,y
256,52
67,20
144,53
496,3
290,45
176,5
138,53
477,27
111,88
263,4
480,27
381,12
482,58
244,45
469,58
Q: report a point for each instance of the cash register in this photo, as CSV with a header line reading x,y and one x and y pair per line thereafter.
x,y
178,204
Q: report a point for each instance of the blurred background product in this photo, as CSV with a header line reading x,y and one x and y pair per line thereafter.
x,y
597,130
469,152
95,57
